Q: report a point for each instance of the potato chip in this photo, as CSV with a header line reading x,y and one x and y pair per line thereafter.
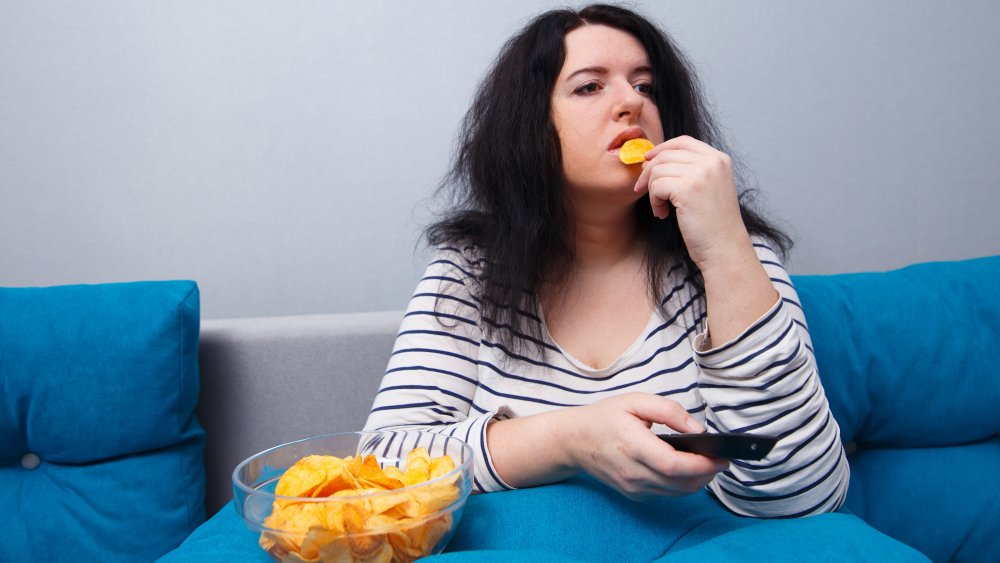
x,y
634,151
306,475
395,473
441,466
361,522
294,519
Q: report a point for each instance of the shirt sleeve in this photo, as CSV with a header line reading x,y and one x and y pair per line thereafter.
x,y
432,377
765,381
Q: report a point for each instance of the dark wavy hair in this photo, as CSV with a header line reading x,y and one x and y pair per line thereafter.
x,y
506,181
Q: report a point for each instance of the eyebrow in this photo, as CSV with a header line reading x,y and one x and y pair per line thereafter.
x,y
604,70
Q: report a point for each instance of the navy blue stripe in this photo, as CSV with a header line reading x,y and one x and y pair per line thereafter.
x,y
778,416
517,309
415,426
815,508
747,359
435,351
787,495
578,375
792,301
673,319
782,362
746,334
468,432
761,402
486,461
442,278
428,388
388,444
675,289
523,398
440,315
678,391
784,434
619,387
696,410
831,443
786,282
441,333
468,304
771,383
520,335
404,406
434,370
467,273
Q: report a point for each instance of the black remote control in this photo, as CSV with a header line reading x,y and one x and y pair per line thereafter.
x,y
727,446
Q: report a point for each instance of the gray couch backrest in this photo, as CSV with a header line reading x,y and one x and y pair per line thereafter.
x,y
268,381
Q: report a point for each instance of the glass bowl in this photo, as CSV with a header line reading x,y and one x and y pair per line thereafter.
x,y
361,522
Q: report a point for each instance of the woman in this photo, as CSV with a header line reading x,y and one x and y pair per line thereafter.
x,y
577,306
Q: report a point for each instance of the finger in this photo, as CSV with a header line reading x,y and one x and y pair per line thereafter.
x,y
642,182
686,142
662,410
662,153
661,190
673,464
644,481
671,169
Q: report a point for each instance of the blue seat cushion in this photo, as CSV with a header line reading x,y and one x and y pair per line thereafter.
x,y
908,358
101,457
944,501
581,520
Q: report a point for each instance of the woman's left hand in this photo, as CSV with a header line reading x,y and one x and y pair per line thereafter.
x,y
698,181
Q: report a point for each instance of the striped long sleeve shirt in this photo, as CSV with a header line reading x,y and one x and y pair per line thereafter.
x,y
446,376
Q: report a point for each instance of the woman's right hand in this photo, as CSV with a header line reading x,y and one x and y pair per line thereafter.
x,y
611,440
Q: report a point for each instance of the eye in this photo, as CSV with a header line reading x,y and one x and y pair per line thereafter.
x,y
645,88
588,88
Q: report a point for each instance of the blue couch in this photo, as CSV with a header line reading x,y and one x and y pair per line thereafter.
x,y
103,431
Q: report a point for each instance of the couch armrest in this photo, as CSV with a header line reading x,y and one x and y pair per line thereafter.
x,y
267,381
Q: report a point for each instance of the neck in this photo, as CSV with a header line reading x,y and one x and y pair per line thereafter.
x,y
603,235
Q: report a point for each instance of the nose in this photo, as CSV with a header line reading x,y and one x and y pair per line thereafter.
x,y
628,106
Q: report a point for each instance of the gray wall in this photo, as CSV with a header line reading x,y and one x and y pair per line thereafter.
x,y
282,153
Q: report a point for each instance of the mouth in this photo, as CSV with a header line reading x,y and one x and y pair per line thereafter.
x,y
626,135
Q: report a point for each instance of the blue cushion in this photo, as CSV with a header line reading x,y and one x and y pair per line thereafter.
x,y
223,538
908,358
943,501
581,520
100,383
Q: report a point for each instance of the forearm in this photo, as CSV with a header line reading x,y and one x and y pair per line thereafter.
x,y
531,450
738,291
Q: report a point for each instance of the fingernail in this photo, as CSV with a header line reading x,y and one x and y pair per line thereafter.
x,y
694,426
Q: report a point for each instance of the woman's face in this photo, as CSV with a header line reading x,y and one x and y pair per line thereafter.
x,y
601,98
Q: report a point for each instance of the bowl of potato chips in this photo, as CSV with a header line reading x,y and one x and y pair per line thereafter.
x,y
355,496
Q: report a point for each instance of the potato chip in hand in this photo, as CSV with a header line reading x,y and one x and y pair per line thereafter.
x,y
634,151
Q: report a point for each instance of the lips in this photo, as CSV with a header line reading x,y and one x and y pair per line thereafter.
x,y
626,135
